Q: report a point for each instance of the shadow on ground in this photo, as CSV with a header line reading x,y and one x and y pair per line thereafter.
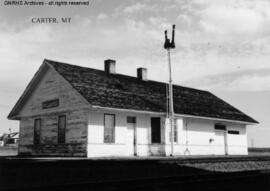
x,y
49,174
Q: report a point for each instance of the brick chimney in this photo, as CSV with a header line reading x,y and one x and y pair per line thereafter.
x,y
142,74
109,66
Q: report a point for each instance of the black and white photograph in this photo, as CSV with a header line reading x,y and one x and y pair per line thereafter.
x,y
162,95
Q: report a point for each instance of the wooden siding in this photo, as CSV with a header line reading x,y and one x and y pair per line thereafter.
x,y
53,86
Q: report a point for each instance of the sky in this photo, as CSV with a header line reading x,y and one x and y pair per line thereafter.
x,y
221,46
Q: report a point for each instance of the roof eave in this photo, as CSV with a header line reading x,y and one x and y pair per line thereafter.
x,y
176,114
218,119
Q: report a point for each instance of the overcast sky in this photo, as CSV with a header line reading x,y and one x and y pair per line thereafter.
x,y
221,46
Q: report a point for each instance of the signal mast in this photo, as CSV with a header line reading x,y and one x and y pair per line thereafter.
x,y
168,45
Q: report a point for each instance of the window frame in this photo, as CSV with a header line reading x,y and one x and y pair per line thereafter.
x,y
61,140
131,119
37,136
113,131
175,133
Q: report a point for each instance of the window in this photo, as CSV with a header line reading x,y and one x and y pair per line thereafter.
x,y
109,127
220,127
234,132
175,132
131,119
37,128
62,129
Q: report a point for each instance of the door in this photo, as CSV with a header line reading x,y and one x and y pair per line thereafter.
x,y
131,135
109,128
220,143
155,130
234,142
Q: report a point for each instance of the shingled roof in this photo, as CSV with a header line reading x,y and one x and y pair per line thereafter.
x,y
126,92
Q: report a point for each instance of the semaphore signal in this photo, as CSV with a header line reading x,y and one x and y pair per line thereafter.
x,y
168,45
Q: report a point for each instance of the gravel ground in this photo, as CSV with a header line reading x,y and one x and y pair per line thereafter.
x,y
230,166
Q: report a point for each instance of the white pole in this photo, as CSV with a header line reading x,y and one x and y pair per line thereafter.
x,y
171,112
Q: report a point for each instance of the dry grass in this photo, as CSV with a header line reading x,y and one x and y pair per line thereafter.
x,y
8,150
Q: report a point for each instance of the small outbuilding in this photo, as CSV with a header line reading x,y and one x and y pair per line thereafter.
x,y
69,110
